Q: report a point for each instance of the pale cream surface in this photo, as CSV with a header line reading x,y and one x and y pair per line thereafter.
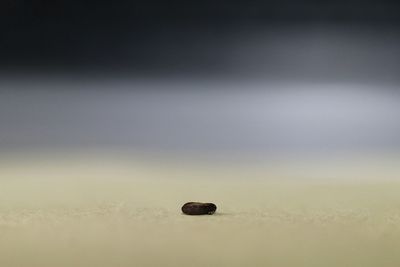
x,y
120,211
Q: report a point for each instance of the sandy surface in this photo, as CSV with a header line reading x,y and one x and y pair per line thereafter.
x,y
120,212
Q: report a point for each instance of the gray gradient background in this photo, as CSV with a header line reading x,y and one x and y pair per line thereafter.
x,y
226,79
221,119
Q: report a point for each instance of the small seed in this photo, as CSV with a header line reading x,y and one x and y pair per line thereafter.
x,y
198,208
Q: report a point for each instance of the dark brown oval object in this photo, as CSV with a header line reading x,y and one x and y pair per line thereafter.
x,y
198,208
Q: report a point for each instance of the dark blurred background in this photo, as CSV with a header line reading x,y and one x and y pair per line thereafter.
x,y
203,77
299,38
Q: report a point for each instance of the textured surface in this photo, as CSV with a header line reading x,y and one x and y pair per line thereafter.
x,y
101,212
